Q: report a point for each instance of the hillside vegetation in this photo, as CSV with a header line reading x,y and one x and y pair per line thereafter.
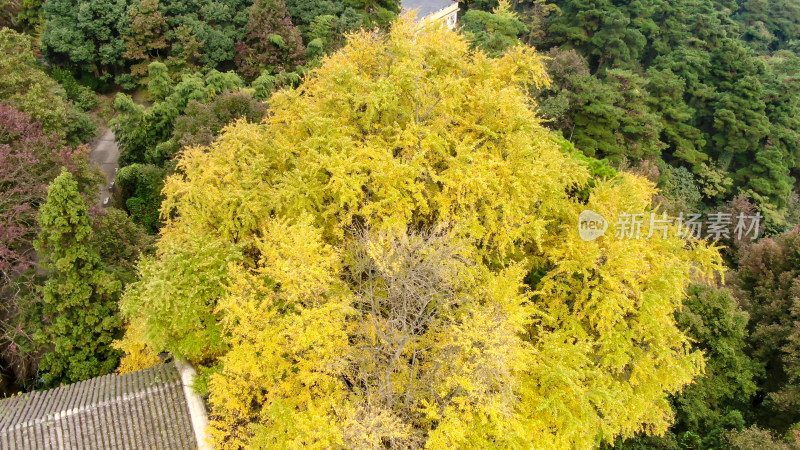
x,y
365,232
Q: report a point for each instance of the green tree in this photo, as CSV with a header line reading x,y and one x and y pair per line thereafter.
x,y
139,130
686,142
612,118
207,30
769,177
30,15
736,120
202,122
89,34
716,108
680,191
159,86
375,13
140,190
185,51
493,32
770,25
608,34
120,242
324,29
79,301
721,398
135,130
27,88
305,12
536,15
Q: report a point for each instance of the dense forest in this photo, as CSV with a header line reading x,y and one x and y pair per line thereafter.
x,y
362,230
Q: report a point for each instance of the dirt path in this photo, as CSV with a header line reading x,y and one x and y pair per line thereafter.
x,y
105,154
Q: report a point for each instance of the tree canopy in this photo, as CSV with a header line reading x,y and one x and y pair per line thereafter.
x,y
294,250
362,231
79,298
25,87
699,84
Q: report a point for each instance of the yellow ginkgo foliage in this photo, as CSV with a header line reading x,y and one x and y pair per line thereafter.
x,y
391,260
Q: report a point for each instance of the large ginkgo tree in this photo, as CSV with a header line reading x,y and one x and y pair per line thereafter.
x,y
391,260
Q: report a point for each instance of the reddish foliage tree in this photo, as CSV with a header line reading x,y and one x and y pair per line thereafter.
x,y
146,39
272,43
768,283
29,159
27,164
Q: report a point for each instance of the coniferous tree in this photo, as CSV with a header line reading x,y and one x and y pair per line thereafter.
x,y
677,80
79,301
770,24
304,12
719,399
216,25
160,85
493,32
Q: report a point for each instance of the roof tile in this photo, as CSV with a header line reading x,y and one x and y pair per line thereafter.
x,y
140,410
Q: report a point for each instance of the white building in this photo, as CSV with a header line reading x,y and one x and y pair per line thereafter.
x,y
444,11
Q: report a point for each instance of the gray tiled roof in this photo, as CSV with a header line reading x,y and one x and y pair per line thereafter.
x,y
425,7
140,410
